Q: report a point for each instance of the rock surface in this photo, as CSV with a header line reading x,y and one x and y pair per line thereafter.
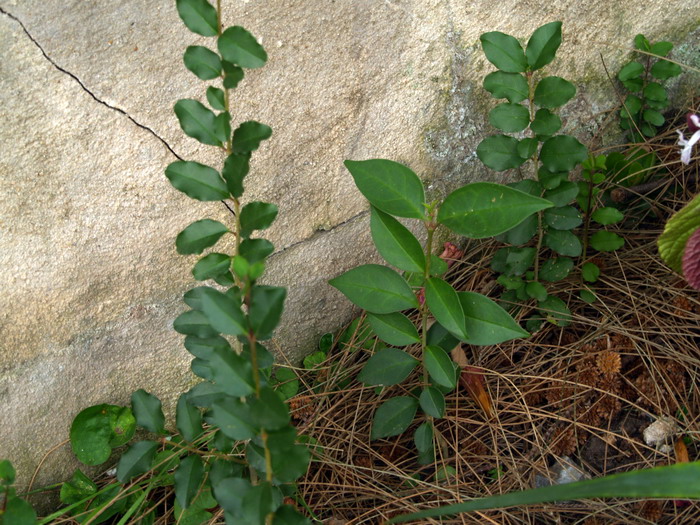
x,y
91,281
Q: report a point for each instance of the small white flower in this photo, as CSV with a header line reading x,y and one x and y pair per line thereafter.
x,y
694,125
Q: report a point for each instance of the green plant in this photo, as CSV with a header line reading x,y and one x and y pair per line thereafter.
x,y
247,457
13,509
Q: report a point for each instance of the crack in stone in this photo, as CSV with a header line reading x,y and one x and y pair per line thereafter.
x,y
84,87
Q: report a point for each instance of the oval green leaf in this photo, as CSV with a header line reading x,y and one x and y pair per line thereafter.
x,y
211,266
375,288
486,322
256,216
197,180
396,243
188,478
509,117
137,460
432,402
499,152
606,241
198,236
606,216
239,47
504,52
562,218
546,123
511,86
194,323
265,310
393,417
556,269
188,419
223,313
543,45
563,242
197,121
552,92
248,136
444,304
203,62
148,411
394,328
232,373
440,366
216,99
199,16
97,429
389,366
562,153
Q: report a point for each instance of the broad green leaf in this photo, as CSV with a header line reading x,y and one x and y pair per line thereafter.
x,y
653,117
77,488
606,216
248,136
587,296
394,328
484,209
239,47
211,266
555,310
439,336
590,272
234,419
375,288
655,91
199,16
563,242
556,269
18,512
552,92
288,515
546,123
522,233
543,45
562,153
509,117
188,478
148,411
606,241
536,291
7,472
423,437
98,429
504,52
223,312
255,250
563,194
440,366
203,62
396,243
216,98
511,86
269,411
195,323
188,419
393,417
260,501
499,152
641,43
232,74
266,305
673,482
389,186
289,460
389,366
432,402
443,303
630,71
661,48
230,493
205,394
197,121
198,236
486,322
232,373
663,70
286,382
513,261
527,147
256,216
197,180
679,228
235,169
137,460
562,218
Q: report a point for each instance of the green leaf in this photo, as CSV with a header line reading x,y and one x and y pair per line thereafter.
x,y
223,312
269,411
396,243
389,186
443,302
606,241
235,169
222,123
239,47
197,181
98,429
423,437
232,74
606,216
674,482
499,152
198,236
137,460
188,478
18,512
215,97
148,411
563,242
632,106
248,136
513,261
394,328
504,52
432,402
661,48
230,493
587,296
663,70
199,16
655,91
641,43
678,229
256,216
555,310
203,62
232,373
234,419
522,233
439,336
562,153
556,269
562,218
259,502
590,272
256,250
211,266
77,488
484,209
511,86
536,291
265,310
653,117
563,194
197,121
375,288
393,417
486,322
188,419
440,366
630,71
389,366
509,117
543,45
286,382
288,515
7,472
194,323
546,123
527,147
552,92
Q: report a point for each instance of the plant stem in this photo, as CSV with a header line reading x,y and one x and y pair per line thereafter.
x,y
535,162
430,227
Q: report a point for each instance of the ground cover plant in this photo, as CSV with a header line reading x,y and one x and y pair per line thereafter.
x,y
503,412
